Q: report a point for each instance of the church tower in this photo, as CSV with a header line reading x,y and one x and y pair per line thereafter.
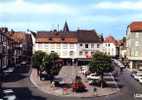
x,y
66,28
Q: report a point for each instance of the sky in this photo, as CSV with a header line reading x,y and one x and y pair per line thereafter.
x,y
107,17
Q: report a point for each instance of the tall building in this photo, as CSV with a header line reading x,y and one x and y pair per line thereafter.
x,y
134,44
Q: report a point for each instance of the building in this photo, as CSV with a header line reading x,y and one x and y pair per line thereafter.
x,y
71,46
110,46
24,47
134,44
88,43
122,49
7,50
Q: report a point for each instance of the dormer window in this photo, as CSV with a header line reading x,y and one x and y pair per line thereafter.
x,y
50,39
63,39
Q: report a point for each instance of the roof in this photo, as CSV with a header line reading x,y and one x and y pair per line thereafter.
x,y
85,36
18,36
28,38
88,36
111,39
66,28
121,43
136,26
55,37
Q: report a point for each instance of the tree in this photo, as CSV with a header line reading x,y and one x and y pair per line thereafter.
x,y
37,60
45,62
100,63
53,56
124,39
49,64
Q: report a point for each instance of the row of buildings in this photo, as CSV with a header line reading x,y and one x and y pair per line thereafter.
x,y
77,46
15,47
71,46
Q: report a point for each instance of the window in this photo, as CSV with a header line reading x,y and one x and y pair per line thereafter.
x,y
92,53
71,53
52,46
108,53
39,46
81,45
136,53
109,45
80,53
65,53
50,39
137,34
86,45
72,46
98,45
46,45
58,46
137,43
86,52
64,46
63,39
92,45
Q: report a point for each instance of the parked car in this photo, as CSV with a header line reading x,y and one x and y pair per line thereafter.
x,y
133,73
140,80
93,82
140,68
137,77
93,76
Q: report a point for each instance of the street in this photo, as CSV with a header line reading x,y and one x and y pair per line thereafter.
x,y
22,88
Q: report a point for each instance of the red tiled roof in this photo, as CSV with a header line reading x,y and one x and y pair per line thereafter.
x,y
56,37
136,26
121,43
111,39
89,36
17,36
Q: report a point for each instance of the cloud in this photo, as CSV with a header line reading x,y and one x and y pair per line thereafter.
x,y
128,5
20,6
99,18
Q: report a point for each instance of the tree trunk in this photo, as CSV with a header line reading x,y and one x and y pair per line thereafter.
x,y
102,80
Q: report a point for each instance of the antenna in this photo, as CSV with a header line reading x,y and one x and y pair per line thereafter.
x,y
58,27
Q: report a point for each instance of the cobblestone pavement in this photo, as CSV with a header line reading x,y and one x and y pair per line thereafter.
x,y
67,75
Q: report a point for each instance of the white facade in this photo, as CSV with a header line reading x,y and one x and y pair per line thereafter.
x,y
86,50
64,50
110,49
70,50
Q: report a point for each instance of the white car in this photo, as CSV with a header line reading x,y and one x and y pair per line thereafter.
x,y
93,76
140,80
137,76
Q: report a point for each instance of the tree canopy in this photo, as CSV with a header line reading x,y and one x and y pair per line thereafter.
x,y
37,58
100,63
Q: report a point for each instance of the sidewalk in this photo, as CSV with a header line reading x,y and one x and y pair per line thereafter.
x,y
45,87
